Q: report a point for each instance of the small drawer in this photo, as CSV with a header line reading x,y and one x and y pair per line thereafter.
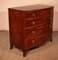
x,y
38,22
39,13
36,32
36,13
35,42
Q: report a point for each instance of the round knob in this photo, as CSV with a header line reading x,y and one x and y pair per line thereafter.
x,y
33,32
33,22
33,41
33,14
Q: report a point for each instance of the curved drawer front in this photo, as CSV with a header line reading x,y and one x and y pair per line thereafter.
x,y
37,30
39,13
35,42
36,22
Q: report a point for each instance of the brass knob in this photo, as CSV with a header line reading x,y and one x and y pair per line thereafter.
x,y
33,32
33,14
33,41
33,22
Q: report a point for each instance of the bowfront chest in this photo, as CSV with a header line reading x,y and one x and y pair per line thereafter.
x,y
30,26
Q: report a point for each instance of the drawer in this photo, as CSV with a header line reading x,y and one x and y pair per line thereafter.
x,y
36,13
36,32
39,13
29,23
36,22
35,42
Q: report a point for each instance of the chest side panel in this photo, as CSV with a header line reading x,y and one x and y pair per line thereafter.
x,y
15,27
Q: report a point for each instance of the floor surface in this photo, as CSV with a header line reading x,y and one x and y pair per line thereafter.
x,y
49,51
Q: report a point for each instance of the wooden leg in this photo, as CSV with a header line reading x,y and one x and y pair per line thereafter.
x,y
51,39
24,53
11,46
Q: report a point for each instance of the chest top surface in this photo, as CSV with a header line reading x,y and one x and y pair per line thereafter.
x,y
31,7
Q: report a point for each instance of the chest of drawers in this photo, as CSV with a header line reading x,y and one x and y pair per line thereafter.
x,y
30,26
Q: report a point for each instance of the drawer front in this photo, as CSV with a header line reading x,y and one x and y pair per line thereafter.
x,y
35,42
37,31
36,22
39,13
29,23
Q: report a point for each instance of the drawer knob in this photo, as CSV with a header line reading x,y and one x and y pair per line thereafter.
x,y
33,32
33,14
33,41
33,22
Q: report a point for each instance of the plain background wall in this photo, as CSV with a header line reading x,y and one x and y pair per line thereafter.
x,y
5,4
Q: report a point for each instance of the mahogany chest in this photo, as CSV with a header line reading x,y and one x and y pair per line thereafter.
x,y
30,26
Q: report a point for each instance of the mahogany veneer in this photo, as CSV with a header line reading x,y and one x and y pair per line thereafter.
x,y
30,26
